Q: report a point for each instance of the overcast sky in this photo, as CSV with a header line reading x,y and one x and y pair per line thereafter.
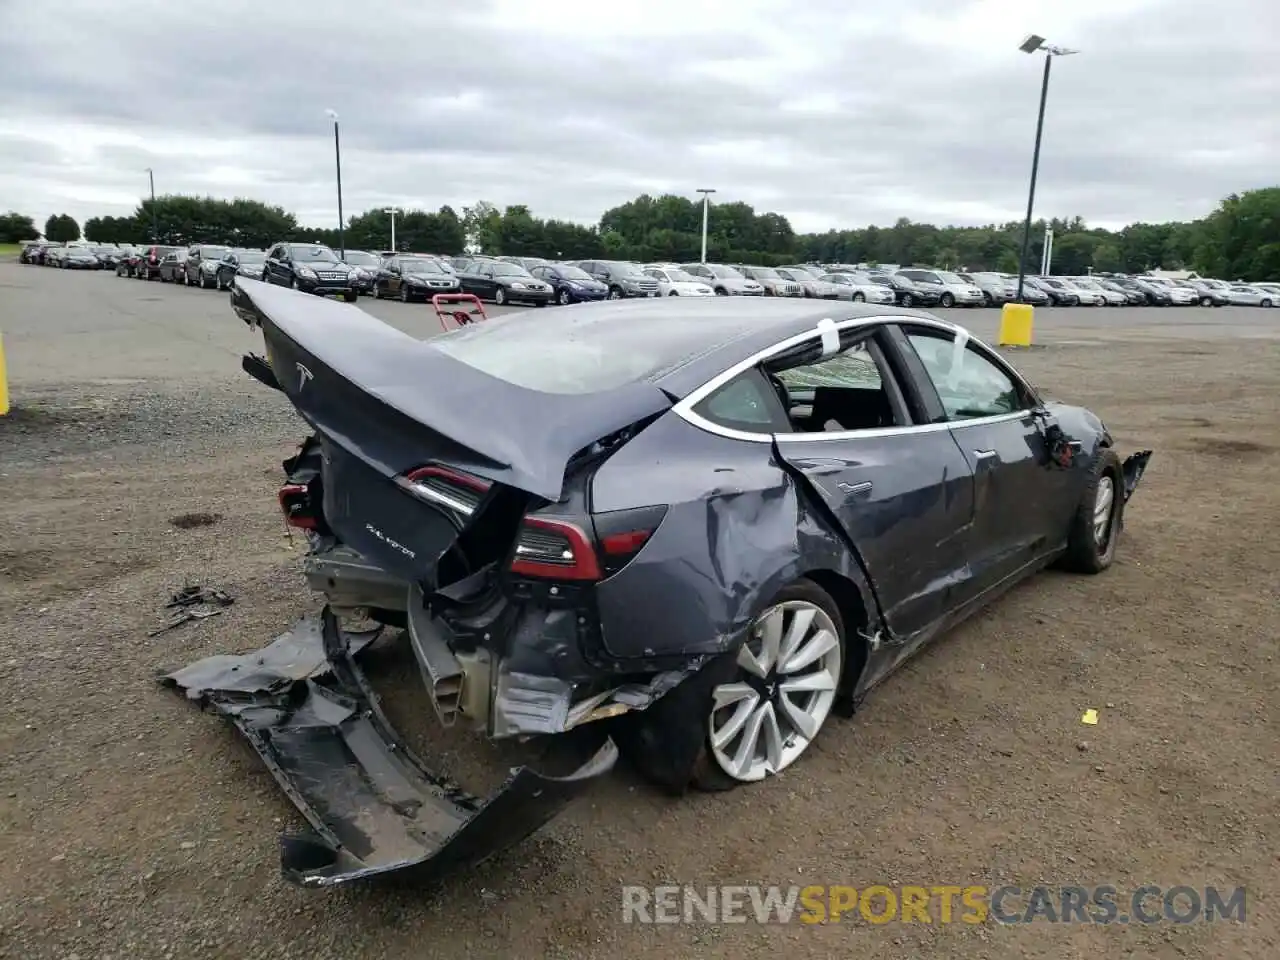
x,y
832,113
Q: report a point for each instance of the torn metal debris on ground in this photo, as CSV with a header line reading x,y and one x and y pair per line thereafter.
x,y
307,709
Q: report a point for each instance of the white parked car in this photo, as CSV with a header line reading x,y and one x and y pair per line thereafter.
x,y
1179,295
1244,295
810,283
860,287
674,282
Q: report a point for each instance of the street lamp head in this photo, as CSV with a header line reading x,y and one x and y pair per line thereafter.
x,y
1034,44
706,190
332,115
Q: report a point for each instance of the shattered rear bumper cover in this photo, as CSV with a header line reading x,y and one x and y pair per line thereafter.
x,y
373,807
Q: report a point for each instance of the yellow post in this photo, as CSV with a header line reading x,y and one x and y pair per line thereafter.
x,y
1015,325
4,382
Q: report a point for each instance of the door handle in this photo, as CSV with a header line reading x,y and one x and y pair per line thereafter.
x,y
983,454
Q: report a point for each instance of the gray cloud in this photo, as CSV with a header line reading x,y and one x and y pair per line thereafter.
x,y
926,110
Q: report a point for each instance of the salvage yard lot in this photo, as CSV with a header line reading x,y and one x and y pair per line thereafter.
x,y
136,826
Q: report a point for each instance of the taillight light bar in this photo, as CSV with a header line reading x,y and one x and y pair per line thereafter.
x,y
444,487
555,550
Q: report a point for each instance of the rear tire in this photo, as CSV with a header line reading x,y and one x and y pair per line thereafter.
x,y
671,741
1095,527
859,297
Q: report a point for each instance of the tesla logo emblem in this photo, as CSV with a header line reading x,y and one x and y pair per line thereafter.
x,y
303,376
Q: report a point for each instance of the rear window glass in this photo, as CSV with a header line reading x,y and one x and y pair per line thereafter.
x,y
564,353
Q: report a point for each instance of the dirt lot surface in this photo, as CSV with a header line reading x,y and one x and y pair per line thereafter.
x,y
135,826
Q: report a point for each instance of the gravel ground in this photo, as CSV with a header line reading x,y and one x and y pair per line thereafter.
x,y
136,826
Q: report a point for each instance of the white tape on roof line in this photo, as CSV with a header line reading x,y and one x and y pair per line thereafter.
x,y
830,336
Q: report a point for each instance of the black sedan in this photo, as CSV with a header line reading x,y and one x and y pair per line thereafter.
x,y
570,284
239,263
364,267
693,527
413,278
907,293
503,283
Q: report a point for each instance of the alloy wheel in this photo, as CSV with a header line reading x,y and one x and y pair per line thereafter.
x,y
1103,503
500,297
788,670
563,298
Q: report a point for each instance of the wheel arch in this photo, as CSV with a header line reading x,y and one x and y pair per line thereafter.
x,y
854,617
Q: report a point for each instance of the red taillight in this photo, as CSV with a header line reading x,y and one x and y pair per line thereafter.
x,y
295,501
621,544
451,490
554,550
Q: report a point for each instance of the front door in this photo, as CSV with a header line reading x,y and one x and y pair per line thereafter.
x,y
995,424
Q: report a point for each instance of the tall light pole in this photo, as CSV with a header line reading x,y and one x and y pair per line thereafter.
x,y
337,158
706,207
1035,44
155,229
393,211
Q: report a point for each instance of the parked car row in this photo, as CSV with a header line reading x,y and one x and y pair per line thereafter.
x,y
316,268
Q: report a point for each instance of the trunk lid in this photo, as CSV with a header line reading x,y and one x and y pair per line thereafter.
x,y
385,404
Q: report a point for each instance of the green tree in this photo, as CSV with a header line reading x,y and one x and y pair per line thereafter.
x,y
1106,257
15,228
61,228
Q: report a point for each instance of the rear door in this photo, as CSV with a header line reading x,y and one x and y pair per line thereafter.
x,y
895,482
1021,500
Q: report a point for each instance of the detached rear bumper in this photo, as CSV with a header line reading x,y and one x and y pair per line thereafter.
x,y
374,808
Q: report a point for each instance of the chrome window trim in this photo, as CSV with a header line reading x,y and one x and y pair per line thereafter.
x,y
684,409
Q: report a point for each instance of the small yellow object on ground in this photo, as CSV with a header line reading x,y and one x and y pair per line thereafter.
x,y
4,382
1090,717
1015,325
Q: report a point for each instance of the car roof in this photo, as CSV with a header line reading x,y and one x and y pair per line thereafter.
x,y
705,336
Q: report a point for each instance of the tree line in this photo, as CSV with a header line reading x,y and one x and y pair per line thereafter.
x,y
1241,238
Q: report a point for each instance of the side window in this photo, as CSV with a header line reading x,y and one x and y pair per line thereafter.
x,y
969,385
748,403
853,389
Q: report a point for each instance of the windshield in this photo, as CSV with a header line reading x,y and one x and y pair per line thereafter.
x,y
764,273
358,258
862,278
627,269
501,269
104,249
214,253
727,273
952,278
420,266
1085,283
679,276
574,273
314,254
252,256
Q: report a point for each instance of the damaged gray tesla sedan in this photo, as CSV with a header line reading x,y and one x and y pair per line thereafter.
x,y
693,528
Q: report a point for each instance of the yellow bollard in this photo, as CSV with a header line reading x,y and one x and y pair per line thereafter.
x,y
1015,325
4,382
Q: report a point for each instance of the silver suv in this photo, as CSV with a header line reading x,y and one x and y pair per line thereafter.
x,y
622,277
775,285
952,290
725,280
